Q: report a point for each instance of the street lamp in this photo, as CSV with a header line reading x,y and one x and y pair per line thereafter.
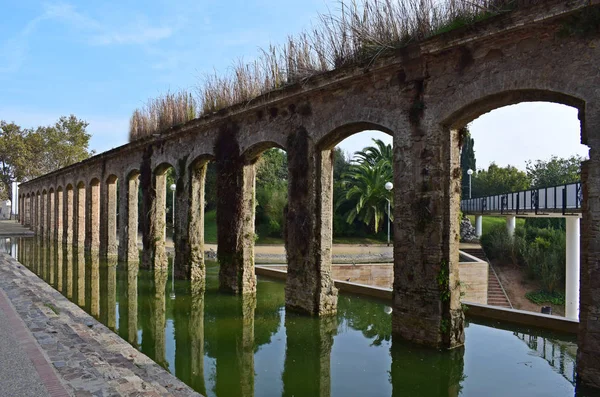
x,y
469,172
389,186
173,187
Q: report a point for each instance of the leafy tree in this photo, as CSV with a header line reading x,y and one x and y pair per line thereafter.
x,y
498,180
467,159
28,153
271,192
556,171
340,164
271,167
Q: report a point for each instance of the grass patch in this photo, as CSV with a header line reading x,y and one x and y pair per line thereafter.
x,y
489,222
210,234
52,307
541,297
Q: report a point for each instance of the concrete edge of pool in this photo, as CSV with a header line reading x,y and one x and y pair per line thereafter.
x,y
513,316
87,356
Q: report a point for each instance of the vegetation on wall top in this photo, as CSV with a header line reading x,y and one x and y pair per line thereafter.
x,y
358,33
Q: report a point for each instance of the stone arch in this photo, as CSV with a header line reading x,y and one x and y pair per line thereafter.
x,y
332,138
461,112
163,167
466,113
252,153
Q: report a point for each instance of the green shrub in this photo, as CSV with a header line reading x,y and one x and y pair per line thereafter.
x,y
497,244
541,297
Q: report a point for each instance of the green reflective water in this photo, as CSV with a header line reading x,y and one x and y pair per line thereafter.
x,y
224,345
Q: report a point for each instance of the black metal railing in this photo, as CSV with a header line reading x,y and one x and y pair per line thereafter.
x,y
562,198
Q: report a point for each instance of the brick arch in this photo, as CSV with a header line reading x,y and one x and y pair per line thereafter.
x,y
331,139
132,173
94,181
112,178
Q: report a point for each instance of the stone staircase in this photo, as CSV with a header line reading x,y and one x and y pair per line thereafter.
x,y
496,295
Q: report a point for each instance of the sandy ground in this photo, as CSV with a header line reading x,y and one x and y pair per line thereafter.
x,y
516,284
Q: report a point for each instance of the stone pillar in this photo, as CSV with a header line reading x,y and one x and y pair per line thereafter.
x,y
478,225
308,233
572,269
108,218
426,293
588,353
79,220
68,219
92,225
43,216
308,348
59,215
38,215
128,219
189,224
51,216
235,216
511,224
154,254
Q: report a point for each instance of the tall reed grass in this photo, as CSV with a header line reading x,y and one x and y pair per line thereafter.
x,y
357,32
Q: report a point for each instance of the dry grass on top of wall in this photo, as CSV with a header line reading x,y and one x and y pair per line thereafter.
x,y
358,32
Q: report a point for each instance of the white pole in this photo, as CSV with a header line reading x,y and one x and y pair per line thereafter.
x,y
511,223
173,195
469,185
388,223
572,269
478,225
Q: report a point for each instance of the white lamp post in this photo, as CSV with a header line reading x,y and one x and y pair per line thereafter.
x,y
172,294
173,187
469,172
389,186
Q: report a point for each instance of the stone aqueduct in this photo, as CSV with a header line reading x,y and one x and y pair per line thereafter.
x,y
422,96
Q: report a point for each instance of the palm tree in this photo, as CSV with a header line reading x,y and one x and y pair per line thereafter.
x,y
372,155
365,188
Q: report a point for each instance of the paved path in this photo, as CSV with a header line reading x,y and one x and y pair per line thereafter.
x,y
72,353
18,375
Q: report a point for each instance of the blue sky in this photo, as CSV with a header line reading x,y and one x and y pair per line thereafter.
x,y
101,60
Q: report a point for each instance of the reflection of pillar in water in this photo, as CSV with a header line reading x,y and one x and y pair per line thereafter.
x,y
94,290
132,301
235,357
59,265
158,312
112,292
79,266
127,289
68,284
308,351
51,262
420,371
103,287
196,331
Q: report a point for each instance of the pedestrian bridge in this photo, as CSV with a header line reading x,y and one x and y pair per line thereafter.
x,y
552,201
